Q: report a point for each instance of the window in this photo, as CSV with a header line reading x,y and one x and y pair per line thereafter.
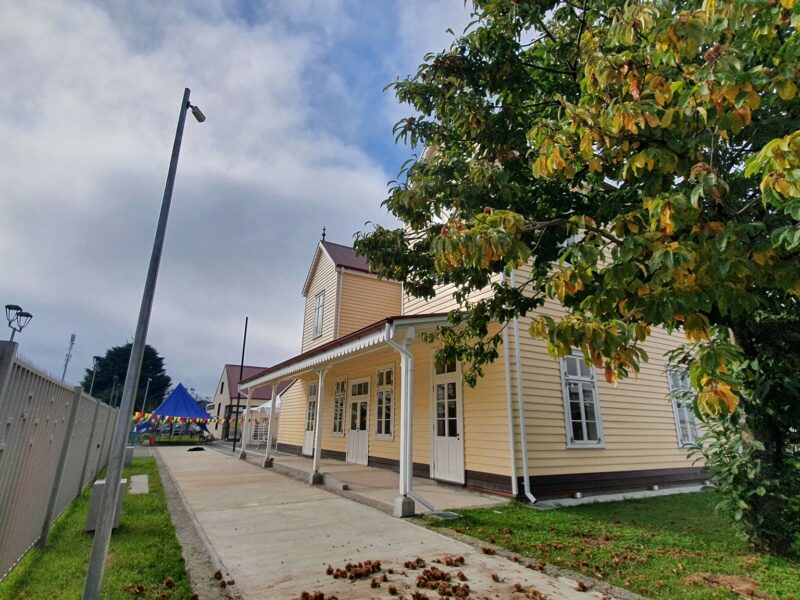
x,y
449,367
319,307
384,396
338,407
221,386
682,395
581,408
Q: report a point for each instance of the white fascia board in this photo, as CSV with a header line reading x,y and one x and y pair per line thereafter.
x,y
360,343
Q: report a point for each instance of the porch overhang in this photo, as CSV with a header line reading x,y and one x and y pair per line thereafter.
x,y
370,337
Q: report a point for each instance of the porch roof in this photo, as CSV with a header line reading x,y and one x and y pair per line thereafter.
x,y
366,337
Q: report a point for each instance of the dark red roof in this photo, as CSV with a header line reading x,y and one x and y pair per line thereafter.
x,y
261,394
345,256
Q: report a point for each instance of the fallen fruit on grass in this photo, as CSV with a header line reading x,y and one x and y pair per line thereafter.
x,y
581,586
487,550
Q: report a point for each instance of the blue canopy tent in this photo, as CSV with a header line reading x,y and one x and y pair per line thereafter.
x,y
179,405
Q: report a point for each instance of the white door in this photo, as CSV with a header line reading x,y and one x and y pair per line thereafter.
x,y
358,423
448,427
311,417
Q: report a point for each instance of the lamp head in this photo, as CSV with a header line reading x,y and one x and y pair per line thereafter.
x,y
23,318
198,114
11,312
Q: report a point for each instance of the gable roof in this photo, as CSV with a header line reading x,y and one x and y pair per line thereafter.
x,y
345,256
232,381
342,257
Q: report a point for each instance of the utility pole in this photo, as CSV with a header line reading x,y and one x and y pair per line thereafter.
x,y
68,356
238,393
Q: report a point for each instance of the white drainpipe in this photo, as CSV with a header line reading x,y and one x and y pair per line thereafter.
x,y
521,408
406,479
509,410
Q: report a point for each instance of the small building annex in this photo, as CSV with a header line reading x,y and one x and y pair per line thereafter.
x,y
365,389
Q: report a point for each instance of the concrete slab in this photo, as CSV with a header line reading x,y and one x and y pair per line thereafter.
x,y
277,536
139,485
378,487
98,489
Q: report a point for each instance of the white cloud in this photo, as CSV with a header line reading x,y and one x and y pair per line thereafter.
x,y
91,93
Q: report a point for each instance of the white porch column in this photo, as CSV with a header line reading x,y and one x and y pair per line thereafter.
x,y
404,504
316,476
271,426
243,451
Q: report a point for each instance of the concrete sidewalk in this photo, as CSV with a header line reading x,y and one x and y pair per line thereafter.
x,y
276,536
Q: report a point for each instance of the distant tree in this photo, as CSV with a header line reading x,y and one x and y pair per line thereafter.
x,y
115,362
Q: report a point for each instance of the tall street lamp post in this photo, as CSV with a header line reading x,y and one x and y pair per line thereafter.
x,y
146,389
17,319
95,360
102,535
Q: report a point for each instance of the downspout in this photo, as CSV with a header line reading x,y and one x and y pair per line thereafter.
x,y
406,479
523,437
338,308
509,408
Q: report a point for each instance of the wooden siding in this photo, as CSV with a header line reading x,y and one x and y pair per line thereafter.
x,y
291,427
636,414
443,300
323,278
365,299
485,427
221,400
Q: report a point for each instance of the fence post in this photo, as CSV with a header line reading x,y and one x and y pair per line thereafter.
x,y
8,351
62,459
89,446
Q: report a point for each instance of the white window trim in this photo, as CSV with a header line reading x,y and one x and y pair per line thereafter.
x,y
319,314
601,441
385,436
309,397
342,380
350,399
674,401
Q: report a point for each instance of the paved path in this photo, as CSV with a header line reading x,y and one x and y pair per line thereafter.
x,y
276,536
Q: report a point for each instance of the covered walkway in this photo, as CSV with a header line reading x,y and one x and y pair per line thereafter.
x,y
372,486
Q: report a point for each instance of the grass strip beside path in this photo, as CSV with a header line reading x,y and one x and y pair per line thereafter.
x,y
144,552
651,546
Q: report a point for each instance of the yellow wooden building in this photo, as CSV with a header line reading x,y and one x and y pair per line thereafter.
x,y
366,390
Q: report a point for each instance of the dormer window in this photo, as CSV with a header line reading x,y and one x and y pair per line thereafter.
x,y
319,308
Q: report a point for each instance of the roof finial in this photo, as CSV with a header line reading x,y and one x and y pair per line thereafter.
x,y
323,234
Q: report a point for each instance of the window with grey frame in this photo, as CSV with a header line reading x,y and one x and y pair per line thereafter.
x,y
682,396
319,310
581,406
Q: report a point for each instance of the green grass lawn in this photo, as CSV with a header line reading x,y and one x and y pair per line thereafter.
x,y
144,552
649,546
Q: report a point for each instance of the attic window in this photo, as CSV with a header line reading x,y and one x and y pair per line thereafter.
x,y
221,387
319,306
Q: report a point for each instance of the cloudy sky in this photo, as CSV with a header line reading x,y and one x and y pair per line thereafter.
x,y
298,137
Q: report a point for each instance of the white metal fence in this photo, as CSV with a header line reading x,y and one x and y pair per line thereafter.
x,y
54,439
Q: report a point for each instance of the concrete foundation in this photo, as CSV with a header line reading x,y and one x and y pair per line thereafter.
x,y
128,456
404,506
97,498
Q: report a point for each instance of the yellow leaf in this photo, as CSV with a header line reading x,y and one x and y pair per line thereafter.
x,y
787,90
595,165
787,4
665,220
